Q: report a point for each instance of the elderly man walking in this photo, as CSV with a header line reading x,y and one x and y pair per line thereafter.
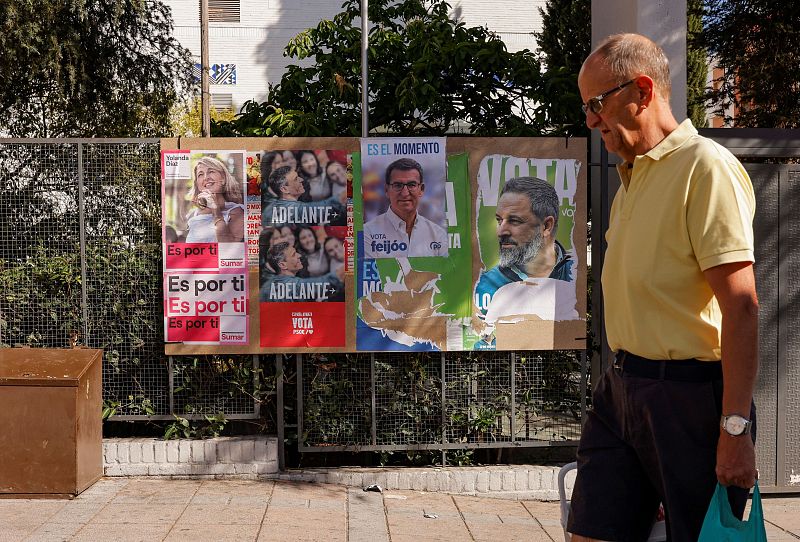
x,y
674,414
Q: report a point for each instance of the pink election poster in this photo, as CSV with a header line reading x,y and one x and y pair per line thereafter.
x,y
205,241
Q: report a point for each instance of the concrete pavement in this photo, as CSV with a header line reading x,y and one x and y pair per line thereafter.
x,y
134,509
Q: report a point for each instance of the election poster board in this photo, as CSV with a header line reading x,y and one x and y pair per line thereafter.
x,y
325,270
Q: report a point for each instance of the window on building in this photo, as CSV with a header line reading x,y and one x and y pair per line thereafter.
x,y
222,11
222,102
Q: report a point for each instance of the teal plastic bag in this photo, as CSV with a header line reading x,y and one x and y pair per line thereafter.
x,y
721,525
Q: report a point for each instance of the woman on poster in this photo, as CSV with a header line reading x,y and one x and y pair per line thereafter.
x,y
311,250
219,216
313,175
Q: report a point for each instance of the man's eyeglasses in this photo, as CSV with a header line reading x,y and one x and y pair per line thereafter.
x,y
595,105
398,187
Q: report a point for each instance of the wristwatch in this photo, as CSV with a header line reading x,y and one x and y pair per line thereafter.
x,y
735,425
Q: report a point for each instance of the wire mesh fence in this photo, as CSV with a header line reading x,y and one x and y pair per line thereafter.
x,y
388,402
334,397
80,265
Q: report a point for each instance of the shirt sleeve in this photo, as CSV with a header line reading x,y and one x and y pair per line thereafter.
x,y
720,211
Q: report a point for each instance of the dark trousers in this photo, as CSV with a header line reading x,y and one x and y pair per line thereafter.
x,y
651,437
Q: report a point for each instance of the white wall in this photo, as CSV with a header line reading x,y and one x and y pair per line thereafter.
x,y
514,21
256,44
663,21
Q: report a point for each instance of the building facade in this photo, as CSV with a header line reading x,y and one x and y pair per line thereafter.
x,y
247,37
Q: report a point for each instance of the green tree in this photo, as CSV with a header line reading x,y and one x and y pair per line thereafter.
x,y
755,43
566,36
696,64
564,43
89,68
429,74
187,117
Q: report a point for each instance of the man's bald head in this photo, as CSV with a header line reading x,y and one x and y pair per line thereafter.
x,y
628,55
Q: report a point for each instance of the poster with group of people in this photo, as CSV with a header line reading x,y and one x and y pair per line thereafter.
x,y
304,196
378,244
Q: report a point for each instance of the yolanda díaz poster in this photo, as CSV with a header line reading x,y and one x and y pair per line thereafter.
x,y
204,240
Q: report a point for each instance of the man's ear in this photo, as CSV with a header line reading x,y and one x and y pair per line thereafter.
x,y
547,226
645,86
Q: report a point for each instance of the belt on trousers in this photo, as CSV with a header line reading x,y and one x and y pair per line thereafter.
x,y
682,370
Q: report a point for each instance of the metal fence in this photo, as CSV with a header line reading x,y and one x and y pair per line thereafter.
x,y
80,265
440,401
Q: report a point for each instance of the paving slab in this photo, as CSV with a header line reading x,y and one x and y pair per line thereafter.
x,y
407,518
300,511
234,533
276,511
54,531
366,517
136,513
130,532
227,514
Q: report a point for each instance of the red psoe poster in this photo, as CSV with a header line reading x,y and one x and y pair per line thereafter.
x,y
303,247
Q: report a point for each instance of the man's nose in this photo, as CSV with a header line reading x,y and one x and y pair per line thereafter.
x,y
592,119
502,228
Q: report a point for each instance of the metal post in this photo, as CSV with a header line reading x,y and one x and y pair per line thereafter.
x,y
205,96
364,70
171,369
256,383
444,411
299,361
82,228
373,409
599,227
513,396
584,376
280,417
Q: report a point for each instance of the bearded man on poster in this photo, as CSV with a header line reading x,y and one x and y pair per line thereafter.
x,y
527,222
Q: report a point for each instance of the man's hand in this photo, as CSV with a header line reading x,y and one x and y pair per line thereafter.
x,y
736,460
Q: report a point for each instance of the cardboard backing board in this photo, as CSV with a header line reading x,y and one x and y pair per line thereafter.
x,y
527,332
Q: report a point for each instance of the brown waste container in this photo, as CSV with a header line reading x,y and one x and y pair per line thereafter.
x,y
50,421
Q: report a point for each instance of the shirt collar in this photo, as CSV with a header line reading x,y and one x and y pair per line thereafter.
x,y
674,140
680,135
398,222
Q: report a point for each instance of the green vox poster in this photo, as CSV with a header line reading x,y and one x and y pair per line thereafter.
x,y
528,259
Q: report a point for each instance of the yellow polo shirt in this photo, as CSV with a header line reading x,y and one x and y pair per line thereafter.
x,y
684,207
